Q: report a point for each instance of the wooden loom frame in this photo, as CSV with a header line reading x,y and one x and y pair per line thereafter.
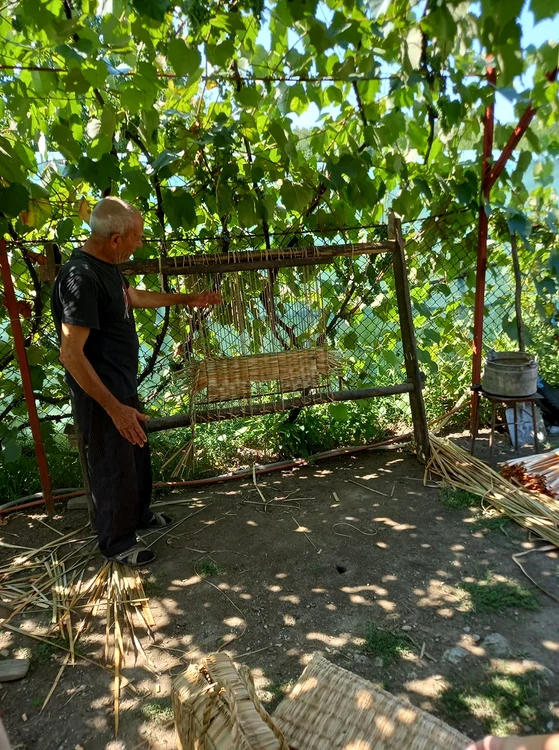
x,y
254,260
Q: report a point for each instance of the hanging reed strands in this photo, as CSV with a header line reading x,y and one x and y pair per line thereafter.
x,y
535,511
539,472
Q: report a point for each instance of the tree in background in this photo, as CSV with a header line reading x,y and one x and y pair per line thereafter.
x,y
186,110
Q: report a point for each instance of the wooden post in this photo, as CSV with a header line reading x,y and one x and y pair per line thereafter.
x,y
82,453
417,406
48,272
517,291
482,232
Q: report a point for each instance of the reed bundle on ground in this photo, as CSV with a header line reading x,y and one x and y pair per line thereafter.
x,y
539,472
63,578
535,511
125,602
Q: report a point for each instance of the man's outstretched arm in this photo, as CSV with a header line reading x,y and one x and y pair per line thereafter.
x,y
140,298
539,742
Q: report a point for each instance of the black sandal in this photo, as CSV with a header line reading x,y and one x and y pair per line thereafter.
x,y
135,557
157,521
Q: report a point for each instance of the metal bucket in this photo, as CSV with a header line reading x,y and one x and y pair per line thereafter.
x,y
510,374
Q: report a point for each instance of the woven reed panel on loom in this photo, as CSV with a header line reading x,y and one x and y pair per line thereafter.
x,y
230,378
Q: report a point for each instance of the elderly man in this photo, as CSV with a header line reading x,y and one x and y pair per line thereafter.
x,y
92,305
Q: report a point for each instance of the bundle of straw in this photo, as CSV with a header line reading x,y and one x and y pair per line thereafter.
x,y
125,600
531,509
185,455
55,577
539,472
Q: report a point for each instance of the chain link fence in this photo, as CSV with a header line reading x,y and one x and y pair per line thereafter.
x,y
349,306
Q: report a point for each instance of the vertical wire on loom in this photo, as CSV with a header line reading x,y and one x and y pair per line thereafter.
x,y
189,456
252,278
198,340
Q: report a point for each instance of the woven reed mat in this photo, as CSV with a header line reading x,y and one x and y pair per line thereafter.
x,y
216,708
332,708
230,378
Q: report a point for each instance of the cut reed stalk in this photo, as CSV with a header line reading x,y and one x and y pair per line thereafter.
x,y
55,577
539,472
532,509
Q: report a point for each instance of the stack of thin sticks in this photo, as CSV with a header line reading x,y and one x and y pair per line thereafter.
x,y
125,601
539,472
535,511
185,455
60,577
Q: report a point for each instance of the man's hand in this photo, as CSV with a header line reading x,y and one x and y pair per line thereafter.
x,y
493,743
203,299
127,421
535,742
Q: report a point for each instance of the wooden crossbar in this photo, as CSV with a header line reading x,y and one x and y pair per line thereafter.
x,y
183,265
258,409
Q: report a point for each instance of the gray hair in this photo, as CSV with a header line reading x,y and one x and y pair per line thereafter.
x,y
113,216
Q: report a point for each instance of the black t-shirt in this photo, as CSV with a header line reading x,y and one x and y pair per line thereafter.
x,y
91,293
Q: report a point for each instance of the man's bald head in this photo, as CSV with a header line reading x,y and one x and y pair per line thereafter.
x,y
113,216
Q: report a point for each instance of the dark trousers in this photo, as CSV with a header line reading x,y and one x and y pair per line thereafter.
x,y
119,473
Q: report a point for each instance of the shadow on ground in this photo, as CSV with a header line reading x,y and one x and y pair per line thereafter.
x,y
353,558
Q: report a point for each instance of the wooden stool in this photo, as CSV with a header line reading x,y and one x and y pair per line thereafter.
x,y
506,401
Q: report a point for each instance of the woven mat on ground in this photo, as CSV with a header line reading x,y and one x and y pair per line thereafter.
x,y
216,708
332,708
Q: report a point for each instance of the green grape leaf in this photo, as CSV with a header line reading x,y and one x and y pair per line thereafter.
x,y
542,9
295,197
180,208
35,354
154,9
64,230
339,412
248,96
11,448
99,173
68,147
350,340
14,199
246,210
164,159
184,60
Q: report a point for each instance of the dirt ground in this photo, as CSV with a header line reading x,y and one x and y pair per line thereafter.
x,y
370,580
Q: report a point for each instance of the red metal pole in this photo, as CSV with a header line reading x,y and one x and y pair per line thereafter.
x,y
488,179
21,354
488,128
514,139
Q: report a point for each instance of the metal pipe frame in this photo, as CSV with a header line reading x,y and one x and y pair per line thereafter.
x,y
23,363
